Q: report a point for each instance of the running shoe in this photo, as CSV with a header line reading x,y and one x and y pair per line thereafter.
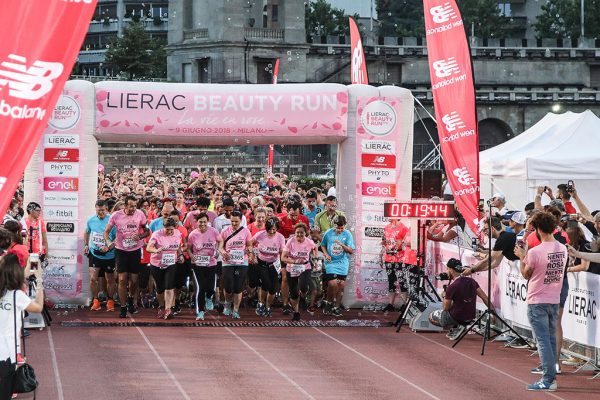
x,y
235,315
540,371
168,314
226,310
541,386
260,309
200,316
123,313
388,308
267,313
96,306
110,305
161,313
176,309
573,361
327,308
296,316
209,306
336,312
455,333
131,308
287,309
518,344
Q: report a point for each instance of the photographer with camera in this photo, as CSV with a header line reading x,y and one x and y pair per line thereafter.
x,y
460,299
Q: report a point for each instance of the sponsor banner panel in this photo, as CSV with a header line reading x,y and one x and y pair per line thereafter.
x,y
61,198
62,281
59,213
60,241
61,169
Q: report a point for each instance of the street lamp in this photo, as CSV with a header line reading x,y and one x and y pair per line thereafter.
x,y
582,19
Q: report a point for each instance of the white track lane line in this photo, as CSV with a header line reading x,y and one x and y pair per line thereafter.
x,y
358,353
61,395
483,364
270,364
163,364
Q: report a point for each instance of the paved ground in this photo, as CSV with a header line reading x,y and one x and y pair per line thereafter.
x,y
245,362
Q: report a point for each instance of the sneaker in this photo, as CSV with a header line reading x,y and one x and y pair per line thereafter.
x,y
287,309
209,306
505,337
200,316
123,313
161,313
267,313
455,333
327,308
168,314
542,386
131,308
235,315
311,310
539,370
176,310
336,312
260,309
296,316
518,344
389,307
96,305
110,305
226,310
344,307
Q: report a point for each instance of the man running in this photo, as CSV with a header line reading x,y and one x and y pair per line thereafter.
x,y
131,230
101,257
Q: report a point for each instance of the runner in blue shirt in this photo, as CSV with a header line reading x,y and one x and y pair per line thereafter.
x,y
101,257
337,245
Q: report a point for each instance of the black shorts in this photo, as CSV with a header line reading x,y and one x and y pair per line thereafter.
x,y
331,277
128,261
395,273
105,266
164,278
182,271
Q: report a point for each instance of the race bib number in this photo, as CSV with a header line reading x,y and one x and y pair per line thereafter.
x,y
296,269
337,249
277,265
236,257
168,259
203,261
98,239
129,243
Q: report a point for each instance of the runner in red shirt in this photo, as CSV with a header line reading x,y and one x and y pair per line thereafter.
x,y
394,237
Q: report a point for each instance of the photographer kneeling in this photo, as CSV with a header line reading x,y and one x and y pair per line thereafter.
x,y
460,299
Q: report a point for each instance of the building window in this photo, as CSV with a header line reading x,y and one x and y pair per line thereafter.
x,y
264,71
274,13
203,70
504,9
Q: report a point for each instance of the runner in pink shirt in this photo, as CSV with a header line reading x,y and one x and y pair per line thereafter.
x,y
296,255
269,245
166,251
394,235
260,215
235,249
203,243
131,231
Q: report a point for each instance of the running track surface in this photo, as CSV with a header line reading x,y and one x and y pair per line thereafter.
x,y
168,362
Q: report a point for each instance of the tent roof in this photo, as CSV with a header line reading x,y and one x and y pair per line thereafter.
x,y
561,146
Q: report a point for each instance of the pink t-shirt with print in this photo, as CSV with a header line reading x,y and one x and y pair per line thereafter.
x,y
236,246
548,261
301,251
127,227
204,246
170,244
268,247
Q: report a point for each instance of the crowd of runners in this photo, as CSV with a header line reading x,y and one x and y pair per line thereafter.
x,y
216,243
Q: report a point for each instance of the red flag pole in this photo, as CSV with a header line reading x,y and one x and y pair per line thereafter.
x,y
451,74
358,66
34,65
271,147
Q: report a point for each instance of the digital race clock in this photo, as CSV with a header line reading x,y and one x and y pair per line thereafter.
x,y
420,209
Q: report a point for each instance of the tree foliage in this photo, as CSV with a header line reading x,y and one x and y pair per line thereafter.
x,y
405,18
137,55
561,19
324,20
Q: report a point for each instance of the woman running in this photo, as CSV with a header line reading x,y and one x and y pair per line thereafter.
x,y
165,249
270,244
235,249
260,215
203,243
296,255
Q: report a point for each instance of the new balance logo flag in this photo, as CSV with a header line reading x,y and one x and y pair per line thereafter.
x,y
453,121
445,68
442,14
28,83
464,177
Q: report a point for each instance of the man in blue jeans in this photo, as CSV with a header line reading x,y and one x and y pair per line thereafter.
x,y
544,267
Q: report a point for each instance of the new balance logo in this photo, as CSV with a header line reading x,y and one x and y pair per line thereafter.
x,y
453,121
464,177
28,83
379,159
445,68
442,13
62,154
2,182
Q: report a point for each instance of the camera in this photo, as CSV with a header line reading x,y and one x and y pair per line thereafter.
x,y
570,186
442,276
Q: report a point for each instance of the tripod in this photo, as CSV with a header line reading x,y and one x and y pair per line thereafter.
x,y
424,282
490,312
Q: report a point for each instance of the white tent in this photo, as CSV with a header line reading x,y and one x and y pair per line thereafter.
x,y
558,148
